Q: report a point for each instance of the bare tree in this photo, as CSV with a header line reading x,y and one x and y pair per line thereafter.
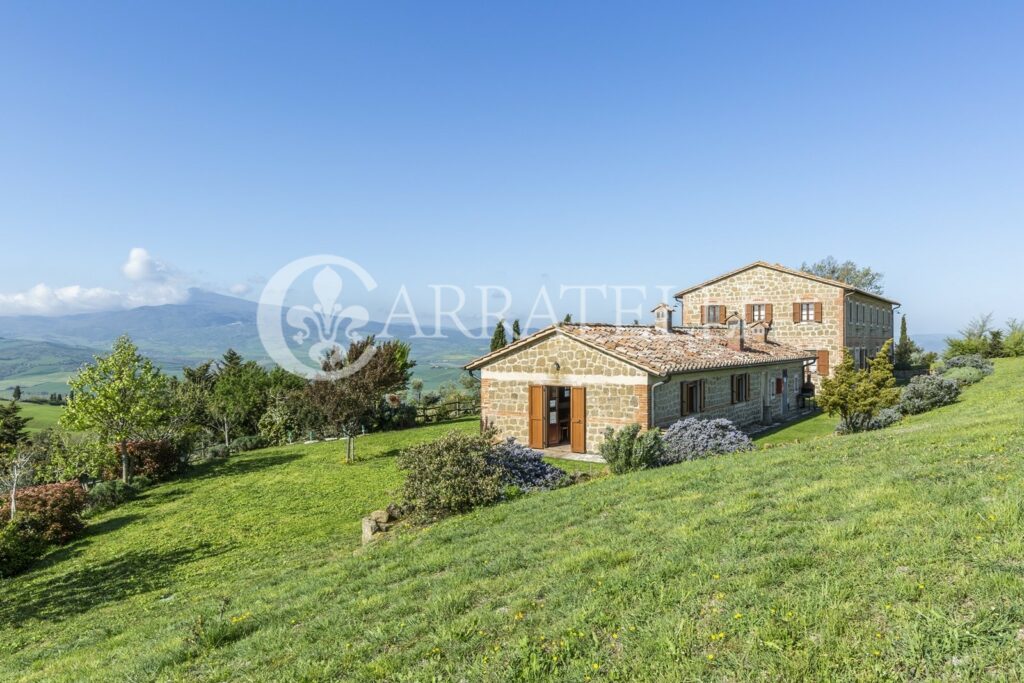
x,y
17,470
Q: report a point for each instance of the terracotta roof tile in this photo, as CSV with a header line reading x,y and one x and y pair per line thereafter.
x,y
665,353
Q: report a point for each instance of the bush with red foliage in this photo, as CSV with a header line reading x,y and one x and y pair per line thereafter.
x,y
155,459
53,510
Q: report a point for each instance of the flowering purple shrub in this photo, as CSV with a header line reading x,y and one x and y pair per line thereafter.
x,y
523,467
695,438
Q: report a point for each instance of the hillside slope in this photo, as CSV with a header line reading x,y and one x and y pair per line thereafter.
x,y
891,555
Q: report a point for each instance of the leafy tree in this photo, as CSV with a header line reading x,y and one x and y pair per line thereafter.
x,y
417,389
516,331
1013,346
498,340
347,402
17,392
239,395
567,319
849,272
995,344
65,455
858,395
119,396
974,339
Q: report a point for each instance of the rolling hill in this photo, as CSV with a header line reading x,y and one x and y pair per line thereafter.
x,y
891,555
40,353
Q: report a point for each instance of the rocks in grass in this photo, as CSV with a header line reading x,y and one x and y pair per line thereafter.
x,y
381,521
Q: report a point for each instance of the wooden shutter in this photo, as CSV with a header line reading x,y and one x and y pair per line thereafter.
x,y
722,314
817,312
703,315
537,409
778,386
823,363
578,420
732,383
750,313
746,388
682,399
702,396
767,313
796,311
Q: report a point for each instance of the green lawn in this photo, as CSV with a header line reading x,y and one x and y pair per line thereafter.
x,y
799,430
891,555
43,416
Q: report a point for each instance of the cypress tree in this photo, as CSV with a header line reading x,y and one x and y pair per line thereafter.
x,y
903,348
498,340
516,332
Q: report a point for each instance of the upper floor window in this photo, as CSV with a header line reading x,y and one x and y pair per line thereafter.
x,y
806,313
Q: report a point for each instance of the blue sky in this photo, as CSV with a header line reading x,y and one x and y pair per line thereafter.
x,y
516,145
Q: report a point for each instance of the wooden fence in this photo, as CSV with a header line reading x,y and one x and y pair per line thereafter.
x,y
447,410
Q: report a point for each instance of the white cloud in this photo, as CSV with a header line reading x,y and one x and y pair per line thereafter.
x,y
141,267
240,288
154,283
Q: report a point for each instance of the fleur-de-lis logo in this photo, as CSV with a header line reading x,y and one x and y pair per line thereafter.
x,y
326,316
318,325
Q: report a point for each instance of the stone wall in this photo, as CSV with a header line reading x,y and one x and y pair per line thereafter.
x,y
718,395
869,324
616,392
761,285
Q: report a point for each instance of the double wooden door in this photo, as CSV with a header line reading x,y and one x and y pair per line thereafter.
x,y
540,418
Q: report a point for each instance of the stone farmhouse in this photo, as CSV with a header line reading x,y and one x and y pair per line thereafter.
x,y
564,385
821,315
751,346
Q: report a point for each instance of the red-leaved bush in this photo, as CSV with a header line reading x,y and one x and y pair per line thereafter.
x,y
53,510
155,459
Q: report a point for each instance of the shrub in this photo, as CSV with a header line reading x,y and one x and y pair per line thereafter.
x,y
886,417
54,509
159,459
926,392
449,475
218,451
140,482
248,443
629,449
522,467
107,495
20,546
964,376
973,360
695,438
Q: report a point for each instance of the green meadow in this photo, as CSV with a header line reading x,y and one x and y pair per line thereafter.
x,y
892,555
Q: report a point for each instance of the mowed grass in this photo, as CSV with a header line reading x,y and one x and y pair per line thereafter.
x,y
43,416
803,429
892,555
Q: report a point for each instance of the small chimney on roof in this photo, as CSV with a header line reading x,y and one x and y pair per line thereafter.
x,y
735,338
662,317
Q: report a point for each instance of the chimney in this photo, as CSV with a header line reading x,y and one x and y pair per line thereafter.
x,y
662,317
735,339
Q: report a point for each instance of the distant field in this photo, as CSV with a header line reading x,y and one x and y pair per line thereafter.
x,y
43,416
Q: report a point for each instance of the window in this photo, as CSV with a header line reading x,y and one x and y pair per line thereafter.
x,y
806,313
712,314
849,311
757,313
740,388
778,386
691,397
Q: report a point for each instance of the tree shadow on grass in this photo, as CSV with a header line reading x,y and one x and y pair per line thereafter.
x,y
237,466
57,595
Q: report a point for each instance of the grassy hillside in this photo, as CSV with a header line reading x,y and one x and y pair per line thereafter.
x,y
43,416
891,555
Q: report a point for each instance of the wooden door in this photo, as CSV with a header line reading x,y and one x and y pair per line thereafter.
x,y
537,410
578,420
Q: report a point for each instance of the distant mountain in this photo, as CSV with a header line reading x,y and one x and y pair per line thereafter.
x,y
932,342
203,327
